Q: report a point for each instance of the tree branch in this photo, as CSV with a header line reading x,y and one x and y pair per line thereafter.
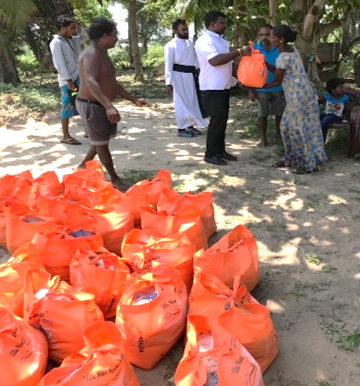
x,y
326,29
311,18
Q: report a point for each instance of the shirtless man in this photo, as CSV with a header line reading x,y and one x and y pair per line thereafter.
x,y
98,90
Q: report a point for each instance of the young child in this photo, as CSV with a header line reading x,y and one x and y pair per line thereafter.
x,y
335,100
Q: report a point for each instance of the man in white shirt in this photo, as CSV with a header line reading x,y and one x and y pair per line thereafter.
x,y
216,69
65,48
180,77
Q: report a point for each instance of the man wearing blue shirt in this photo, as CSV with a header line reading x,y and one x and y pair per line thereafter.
x,y
270,101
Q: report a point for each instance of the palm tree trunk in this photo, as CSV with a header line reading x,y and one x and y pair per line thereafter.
x,y
134,38
8,72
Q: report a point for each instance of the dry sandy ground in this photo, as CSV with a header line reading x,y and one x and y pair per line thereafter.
x,y
307,229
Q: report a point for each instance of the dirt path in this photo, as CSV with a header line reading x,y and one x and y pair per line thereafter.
x,y
306,228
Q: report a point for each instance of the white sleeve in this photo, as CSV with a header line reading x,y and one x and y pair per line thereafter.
x,y
59,60
207,49
83,35
169,62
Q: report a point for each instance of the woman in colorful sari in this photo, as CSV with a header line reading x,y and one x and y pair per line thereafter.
x,y
300,124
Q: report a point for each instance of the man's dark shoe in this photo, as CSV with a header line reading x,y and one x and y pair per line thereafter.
x,y
214,159
227,156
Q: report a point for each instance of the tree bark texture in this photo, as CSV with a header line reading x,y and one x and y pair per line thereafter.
x,y
134,37
8,72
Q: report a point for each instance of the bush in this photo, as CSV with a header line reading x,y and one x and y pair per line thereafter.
x,y
120,57
154,56
36,98
26,61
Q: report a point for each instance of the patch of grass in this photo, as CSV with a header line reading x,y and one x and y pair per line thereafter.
x,y
312,258
151,85
309,206
34,97
339,334
279,150
131,177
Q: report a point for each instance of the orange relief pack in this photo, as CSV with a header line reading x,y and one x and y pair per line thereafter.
x,y
13,276
185,220
170,200
102,274
144,254
151,315
23,351
146,193
10,206
22,229
102,362
252,71
233,255
113,218
238,312
60,311
58,247
213,356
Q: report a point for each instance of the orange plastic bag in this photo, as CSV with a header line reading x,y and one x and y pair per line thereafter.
x,y
113,219
58,247
10,184
164,224
10,206
58,207
233,255
60,311
92,171
102,274
80,187
252,71
238,312
22,229
151,315
170,200
13,275
143,253
46,185
102,362
146,193
23,351
215,357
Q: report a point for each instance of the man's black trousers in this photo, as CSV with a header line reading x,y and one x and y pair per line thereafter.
x,y
216,104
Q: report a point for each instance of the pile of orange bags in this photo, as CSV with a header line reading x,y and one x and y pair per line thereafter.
x,y
82,252
23,351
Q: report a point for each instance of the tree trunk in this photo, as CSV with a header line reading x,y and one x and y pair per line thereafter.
x,y
134,38
130,52
308,37
8,72
273,12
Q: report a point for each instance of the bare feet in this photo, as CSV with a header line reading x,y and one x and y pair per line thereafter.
x,y
81,166
118,184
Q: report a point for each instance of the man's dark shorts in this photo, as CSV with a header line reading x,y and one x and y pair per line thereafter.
x,y
270,103
98,127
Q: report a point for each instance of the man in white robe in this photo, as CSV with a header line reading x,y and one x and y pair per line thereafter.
x,y
181,70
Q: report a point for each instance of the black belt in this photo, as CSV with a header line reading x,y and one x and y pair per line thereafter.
x,y
183,68
89,101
